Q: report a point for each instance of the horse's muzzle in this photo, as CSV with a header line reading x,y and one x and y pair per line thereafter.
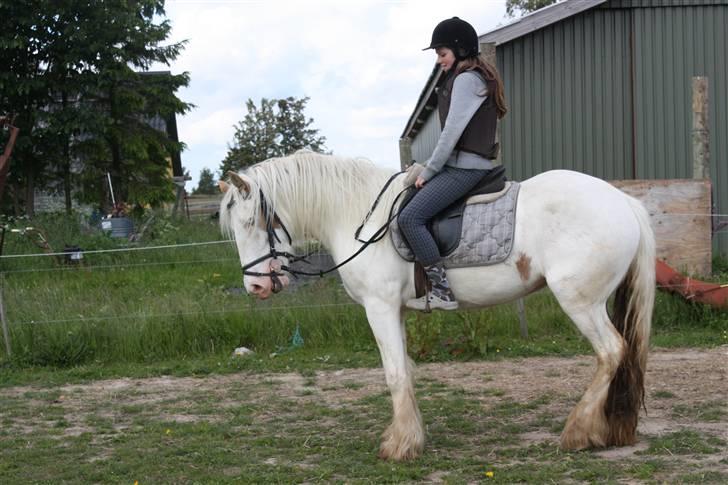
x,y
263,286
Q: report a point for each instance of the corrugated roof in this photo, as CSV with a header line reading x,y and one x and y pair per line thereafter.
x,y
539,19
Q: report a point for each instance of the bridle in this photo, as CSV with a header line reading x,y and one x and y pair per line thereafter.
x,y
272,219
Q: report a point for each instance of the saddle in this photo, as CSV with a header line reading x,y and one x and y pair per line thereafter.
x,y
446,227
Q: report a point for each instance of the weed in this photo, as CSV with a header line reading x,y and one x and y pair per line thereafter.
x,y
713,411
684,442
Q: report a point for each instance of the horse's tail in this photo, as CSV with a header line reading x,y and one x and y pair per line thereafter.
x,y
633,304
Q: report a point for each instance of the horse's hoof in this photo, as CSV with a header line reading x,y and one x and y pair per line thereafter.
x,y
388,454
397,447
575,438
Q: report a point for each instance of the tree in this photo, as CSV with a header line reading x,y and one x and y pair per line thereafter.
x,y
517,8
279,127
132,108
24,92
69,69
206,185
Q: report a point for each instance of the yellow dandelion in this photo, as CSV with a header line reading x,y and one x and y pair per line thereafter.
x,y
489,474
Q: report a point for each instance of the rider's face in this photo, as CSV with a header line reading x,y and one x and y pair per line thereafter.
x,y
445,58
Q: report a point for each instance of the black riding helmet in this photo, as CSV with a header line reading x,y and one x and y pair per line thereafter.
x,y
458,36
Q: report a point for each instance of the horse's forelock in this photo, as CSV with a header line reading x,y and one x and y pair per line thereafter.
x,y
231,203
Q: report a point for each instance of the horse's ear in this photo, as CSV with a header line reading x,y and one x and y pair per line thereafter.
x,y
224,186
238,182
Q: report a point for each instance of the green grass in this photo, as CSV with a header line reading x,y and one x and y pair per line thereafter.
x,y
238,433
685,442
712,411
181,309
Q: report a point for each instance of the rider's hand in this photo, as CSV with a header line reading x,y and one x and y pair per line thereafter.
x,y
420,182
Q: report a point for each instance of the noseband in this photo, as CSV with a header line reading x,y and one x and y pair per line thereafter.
x,y
271,218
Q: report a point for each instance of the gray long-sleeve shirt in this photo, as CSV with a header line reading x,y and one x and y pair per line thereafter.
x,y
467,96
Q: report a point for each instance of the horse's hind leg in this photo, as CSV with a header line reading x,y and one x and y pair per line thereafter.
x,y
587,424
405,437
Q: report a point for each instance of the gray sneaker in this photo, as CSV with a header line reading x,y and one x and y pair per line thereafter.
x,y
431,302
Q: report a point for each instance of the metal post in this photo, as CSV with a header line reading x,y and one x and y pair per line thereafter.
x,y
701,129
405,152
4,320
521,306
111,189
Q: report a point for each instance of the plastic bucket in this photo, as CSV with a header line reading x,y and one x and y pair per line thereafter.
x,y
118,226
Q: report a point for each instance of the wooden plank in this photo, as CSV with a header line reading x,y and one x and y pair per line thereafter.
x,y
680,214
203,204
701,129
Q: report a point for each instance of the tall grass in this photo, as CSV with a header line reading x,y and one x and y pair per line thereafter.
x,y
154,305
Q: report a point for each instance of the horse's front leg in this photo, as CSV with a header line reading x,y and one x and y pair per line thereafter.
x,y
405,437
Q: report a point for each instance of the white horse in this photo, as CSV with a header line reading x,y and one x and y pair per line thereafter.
x,y
577,234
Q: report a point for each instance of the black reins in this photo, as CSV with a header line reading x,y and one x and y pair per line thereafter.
x,y
271,219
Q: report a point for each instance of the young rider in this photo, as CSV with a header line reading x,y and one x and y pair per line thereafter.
x,y
470,102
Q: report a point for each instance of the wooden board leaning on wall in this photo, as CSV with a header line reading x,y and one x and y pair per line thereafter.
x,y
679,211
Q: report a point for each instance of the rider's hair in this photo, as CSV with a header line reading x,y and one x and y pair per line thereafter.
x,y
489,73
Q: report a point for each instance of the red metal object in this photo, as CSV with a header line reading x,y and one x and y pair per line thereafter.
x,y
5,157
691,289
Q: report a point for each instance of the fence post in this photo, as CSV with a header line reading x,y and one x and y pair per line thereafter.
x,y
701,129
521,306
4,319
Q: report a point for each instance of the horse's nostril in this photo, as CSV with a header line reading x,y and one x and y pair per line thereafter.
x,y
255,289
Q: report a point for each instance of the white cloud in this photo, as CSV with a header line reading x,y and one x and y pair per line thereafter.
x,y
360,62
216,127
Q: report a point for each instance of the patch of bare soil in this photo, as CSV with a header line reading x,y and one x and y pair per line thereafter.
x,y
679,384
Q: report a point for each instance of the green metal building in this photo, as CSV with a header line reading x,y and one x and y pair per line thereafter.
x,y
605,87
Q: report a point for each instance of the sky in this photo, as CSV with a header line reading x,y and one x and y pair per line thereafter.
x,y
360,62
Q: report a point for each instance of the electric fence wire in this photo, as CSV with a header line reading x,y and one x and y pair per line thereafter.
x,y
174,246
176,314
186,245
115,266
116,250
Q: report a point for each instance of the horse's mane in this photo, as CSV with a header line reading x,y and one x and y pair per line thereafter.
x,y
312,191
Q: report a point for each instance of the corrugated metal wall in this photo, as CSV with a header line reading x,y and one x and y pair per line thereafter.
x,y
424,144
569,96
671,46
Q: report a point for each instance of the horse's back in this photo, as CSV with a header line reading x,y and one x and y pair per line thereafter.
x,y
568,221
565,194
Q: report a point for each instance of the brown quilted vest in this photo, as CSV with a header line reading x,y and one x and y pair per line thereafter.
x,y
479,135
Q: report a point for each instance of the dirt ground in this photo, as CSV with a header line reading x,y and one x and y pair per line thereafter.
x,y
686,389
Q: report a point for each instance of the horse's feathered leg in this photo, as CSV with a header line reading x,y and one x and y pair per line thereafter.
x,y
404,438
587,425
